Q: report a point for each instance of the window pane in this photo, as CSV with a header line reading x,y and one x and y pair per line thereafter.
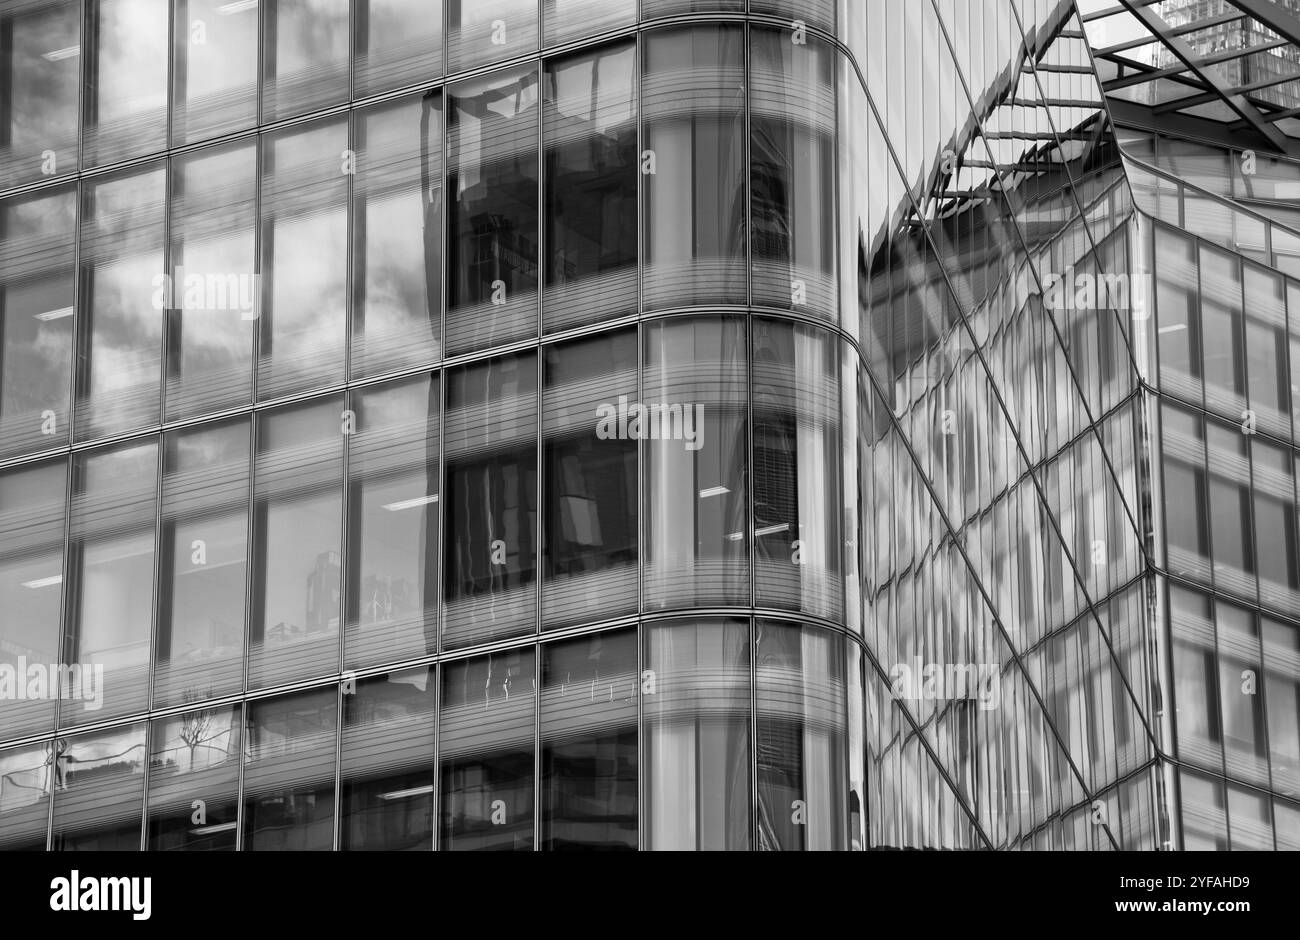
x,y
397,42
1221,317
796,456
194,780
397,228
492,210
1230,515
214,82
204,544
37,236
693,94
819,13
114,503
589,743
1205,827
289,772
304,255
25,786
215,290
696,503
591,177
1200,740
31,575
1273,475
485,746
1249,820
857,752
99,791
800,694
1179,326
490,442
1266,350
393,540
567,20
126,80
1243,711
696,711
591,480
792,163
388,762
1282,693
483,31
651,9
1186,498
119,362
305,56
298,516
40,54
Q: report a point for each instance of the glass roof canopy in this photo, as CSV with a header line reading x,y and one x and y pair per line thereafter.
x,y
1229,69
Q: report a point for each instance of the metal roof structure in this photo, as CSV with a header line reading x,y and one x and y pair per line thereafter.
x,y
1225,69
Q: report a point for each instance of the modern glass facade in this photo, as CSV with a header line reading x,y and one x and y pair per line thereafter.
x,y
674,424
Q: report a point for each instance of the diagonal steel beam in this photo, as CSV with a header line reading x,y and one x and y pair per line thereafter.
x,y
1273,16
1210,76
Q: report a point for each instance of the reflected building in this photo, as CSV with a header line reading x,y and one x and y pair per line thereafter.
x,y
635,393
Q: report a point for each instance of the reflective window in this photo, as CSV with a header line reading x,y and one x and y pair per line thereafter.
x,y
214,77
1221,319
1180,327
1276,534
1286,823
696,708
591,178
1249,820
796,455
651,9
567,20
304,257
1282,696
26,782
394,523
119,359
99,790
697,513
819,13
31,576
397,235
1187,524
1200,738
1266,351
589,743
483,31
485,745
693,102
590,478
1243,709
1230,515
200,652
395,43
490,446
126,80
289,760
792,167
110,599
213,297
297,528
304,56
492,210
40,75
800,693
37,242
388,769
857,795
194,780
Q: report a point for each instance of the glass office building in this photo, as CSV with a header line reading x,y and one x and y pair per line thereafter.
x,y
621,424
1204,96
